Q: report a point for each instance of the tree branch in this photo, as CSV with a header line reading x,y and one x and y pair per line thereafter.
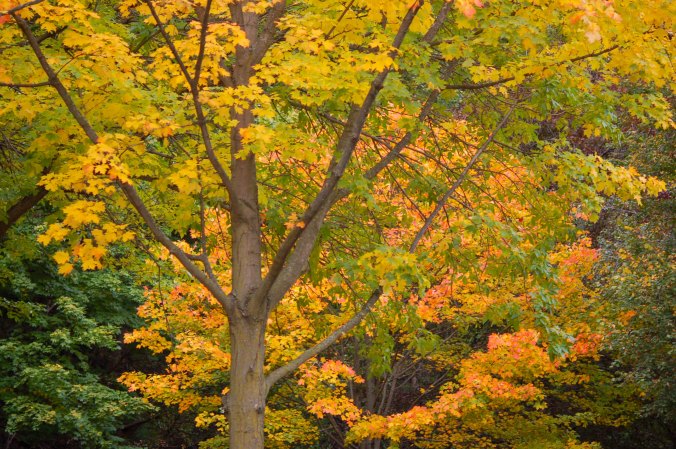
x,y
344,149
476,86
127,189
24,85
268,36
194,89
168,40
144,41
427,107
54,79
18,8
327,36
20,208
276,375
456,184
215,289
38,39
438,22
399,147
287,369
203,43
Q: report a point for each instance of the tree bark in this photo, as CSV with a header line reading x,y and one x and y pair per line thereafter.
x,y
247,316
246,399
20,208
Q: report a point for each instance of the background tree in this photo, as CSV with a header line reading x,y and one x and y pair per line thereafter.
x,y
636,277
57,338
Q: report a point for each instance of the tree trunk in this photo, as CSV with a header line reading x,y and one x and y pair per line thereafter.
x,y
246,399
247,318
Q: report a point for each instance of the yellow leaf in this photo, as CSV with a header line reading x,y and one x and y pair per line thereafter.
x,y
65,268
61,257
129,235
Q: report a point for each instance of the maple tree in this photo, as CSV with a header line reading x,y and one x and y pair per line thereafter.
x,y
271,146
407,337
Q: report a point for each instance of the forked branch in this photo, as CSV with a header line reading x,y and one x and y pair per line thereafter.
x,y
290,367
287,369
193,83
344,150
128,189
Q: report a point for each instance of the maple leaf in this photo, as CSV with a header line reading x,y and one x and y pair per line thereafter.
x,y
467,7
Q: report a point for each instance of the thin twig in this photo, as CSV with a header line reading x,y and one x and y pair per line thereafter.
x,y
461,178
16,9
